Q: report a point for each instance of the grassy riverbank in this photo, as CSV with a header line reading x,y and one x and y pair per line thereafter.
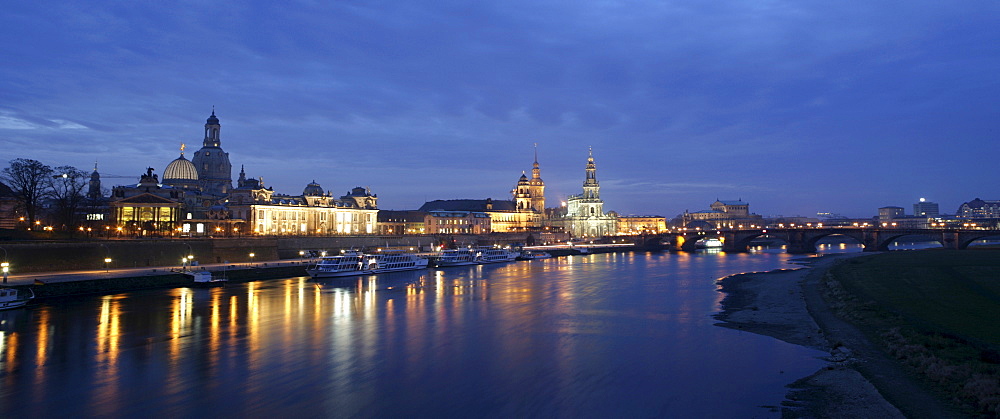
x,y
935,310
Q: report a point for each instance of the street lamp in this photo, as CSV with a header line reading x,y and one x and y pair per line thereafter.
x,y
184,260
6,267
251,257
106,262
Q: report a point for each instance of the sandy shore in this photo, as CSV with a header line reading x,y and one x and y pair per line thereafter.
x,y
859,381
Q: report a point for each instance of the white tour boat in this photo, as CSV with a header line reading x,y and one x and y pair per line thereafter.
x,y
9,298
354,263
205,279
454,257
533,254
487,254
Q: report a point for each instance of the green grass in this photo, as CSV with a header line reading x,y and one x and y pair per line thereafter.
x,y
952,292
936,311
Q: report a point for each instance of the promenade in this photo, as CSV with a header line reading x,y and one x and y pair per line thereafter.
x,y
15,279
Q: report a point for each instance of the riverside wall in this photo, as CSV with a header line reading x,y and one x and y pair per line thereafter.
x,y
49,256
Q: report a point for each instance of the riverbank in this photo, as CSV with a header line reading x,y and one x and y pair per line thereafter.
x,y
860,380
153,279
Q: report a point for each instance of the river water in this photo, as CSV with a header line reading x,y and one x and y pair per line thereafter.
x,y
604,335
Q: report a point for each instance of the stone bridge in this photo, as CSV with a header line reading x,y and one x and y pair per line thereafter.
x,y
803,240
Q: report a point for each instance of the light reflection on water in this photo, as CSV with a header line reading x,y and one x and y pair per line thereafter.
x,y
598,335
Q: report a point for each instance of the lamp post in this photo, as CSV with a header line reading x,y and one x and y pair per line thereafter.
x,y
184,260
5,266
252,254
107,261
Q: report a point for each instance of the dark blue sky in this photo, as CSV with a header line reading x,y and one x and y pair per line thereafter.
x,y
796,107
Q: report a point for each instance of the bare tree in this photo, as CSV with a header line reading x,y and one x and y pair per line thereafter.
x,y
66,189
29,180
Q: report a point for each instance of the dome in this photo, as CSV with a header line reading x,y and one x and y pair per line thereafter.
x,y
313,189
180,169
212,120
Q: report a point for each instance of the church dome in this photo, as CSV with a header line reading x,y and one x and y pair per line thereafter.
x,y
180,169
313,189
212,120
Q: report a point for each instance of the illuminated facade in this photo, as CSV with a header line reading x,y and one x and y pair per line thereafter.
x,y
312,213
585,215
979,208
196,197
146,208
729,214
504,216
457,222
641,224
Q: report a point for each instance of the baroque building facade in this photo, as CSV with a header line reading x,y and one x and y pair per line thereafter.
x,y
723,214
196,198
584,215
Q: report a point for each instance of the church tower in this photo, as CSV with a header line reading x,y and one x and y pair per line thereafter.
x,y
94,191
536,186
591,189
212,163
522,194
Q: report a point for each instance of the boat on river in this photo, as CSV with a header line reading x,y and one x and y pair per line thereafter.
x,y
10,298
205,279
488,254
533,255
353,263
454,257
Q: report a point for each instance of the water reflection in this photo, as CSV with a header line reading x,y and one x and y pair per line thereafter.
x,y
626,334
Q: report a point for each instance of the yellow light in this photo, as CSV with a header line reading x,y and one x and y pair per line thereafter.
x,y
107,260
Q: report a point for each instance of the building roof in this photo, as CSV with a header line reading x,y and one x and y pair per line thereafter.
x,y
180,169
478,205
737,202
146,198
405,216
5,190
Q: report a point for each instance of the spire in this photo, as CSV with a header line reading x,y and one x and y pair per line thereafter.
x,y
212,128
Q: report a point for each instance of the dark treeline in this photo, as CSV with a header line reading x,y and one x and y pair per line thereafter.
x,y
55,195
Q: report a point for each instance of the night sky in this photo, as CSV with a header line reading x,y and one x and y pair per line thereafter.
x,y
796,107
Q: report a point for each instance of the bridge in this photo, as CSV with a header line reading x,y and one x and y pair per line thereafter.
x,y
804,239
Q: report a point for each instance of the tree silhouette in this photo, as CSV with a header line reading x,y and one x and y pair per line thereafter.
x,y
28,179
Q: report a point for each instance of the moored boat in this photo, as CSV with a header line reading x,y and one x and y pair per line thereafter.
x,y
205,279
487,254
533,254
454,257
10,298
354,263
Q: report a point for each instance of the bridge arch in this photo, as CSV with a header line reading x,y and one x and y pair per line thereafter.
x,y
888,240
965,242
812,242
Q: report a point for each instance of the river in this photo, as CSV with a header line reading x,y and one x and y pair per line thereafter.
x,y
603,335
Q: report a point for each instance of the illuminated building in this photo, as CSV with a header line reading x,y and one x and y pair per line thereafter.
x,y
457,222
585,215
888,213
401,222
504,216
925,208
146,208
641,224
215,173
196,197
979,208
315,212
729,214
